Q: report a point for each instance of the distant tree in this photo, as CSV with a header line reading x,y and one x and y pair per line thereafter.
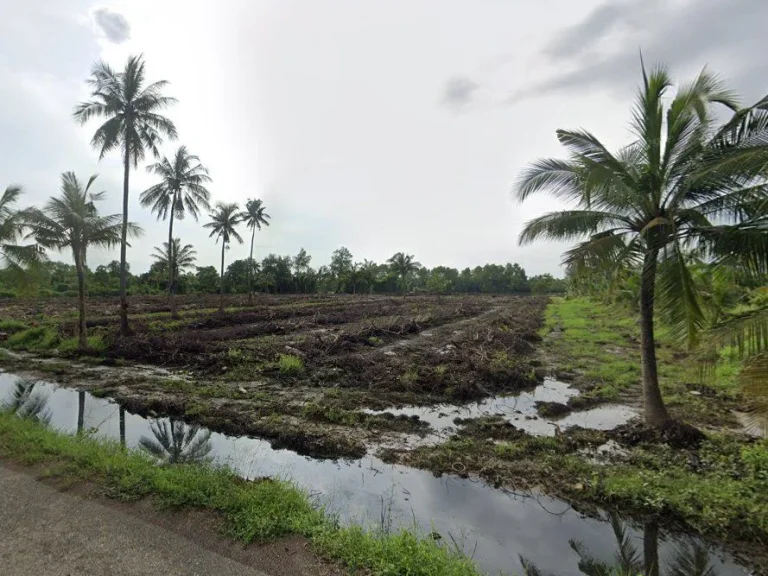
x,y
207,279
134,124
237,279
341,263
683,183
302,273
403,265
369,273
277,273
254,217
547,284
222,225
180,190
176,260
438,282
72,222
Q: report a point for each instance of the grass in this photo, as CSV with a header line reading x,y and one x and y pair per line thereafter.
x,y
600,344
11,326
252,511
38,338
290,364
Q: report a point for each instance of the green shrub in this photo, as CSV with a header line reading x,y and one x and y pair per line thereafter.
x,y
7,294
290,364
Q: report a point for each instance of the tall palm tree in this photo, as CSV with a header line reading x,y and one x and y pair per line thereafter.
x,y
222,225
134,124
175,260
403,265
683,182
71,221
254,217
181,190
177,443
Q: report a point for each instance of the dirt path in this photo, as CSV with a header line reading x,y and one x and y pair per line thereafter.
x,y
45,531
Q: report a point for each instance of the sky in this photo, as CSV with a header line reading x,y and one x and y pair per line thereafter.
x,y
382,126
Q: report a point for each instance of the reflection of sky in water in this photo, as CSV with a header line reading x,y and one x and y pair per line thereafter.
x,y
516,408
492,525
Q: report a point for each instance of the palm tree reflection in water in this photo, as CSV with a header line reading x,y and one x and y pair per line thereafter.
x,y
177,443
689,559
26,402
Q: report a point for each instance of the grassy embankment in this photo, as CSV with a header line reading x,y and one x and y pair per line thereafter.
x,y
718,489
251,511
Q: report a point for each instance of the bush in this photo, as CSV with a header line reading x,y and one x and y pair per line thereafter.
x,y
7,294
38,338
290,364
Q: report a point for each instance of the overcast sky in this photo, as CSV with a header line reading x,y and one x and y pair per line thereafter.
x,y
380,125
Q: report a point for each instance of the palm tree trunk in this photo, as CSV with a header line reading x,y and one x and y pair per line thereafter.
x,y
250,269
124,329
655,411
174,313
81,328
403,286
122,426
221,281
80,411
651,549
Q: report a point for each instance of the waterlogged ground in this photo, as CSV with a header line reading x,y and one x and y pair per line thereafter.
x,y
439,411
502,530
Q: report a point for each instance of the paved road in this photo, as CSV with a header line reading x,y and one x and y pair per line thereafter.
x,y
47,532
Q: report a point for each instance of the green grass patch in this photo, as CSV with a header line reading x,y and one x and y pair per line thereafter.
x,y
12,326
38,338
601,344
95,343
253,511
290,364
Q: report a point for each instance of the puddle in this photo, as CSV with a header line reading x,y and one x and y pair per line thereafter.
x,y
519,410
495,527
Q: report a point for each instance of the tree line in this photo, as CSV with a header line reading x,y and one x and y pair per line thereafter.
x,y
274,275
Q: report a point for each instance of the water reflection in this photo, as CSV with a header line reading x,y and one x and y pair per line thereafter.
x,y
27,402
175,442
493,526
688,558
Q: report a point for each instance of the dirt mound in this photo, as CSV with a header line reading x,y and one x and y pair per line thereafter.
x,y
552,409
673,432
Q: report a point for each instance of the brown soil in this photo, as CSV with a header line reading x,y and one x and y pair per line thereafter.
x,y
349,353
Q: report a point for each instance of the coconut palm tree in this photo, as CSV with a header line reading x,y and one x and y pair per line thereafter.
x,y
71,221
403,265
28,403
181,190
177,443
134,124
11,227
254,217
369,272
684,182
175,260
222,225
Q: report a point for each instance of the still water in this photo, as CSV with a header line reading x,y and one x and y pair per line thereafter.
x,y
495,527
